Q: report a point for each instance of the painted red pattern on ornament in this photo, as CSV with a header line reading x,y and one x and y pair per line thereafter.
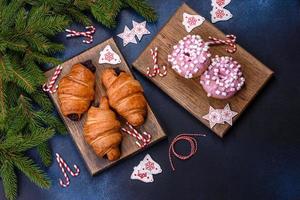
x,y
109,56
192,21
141,175
220,2
220,13
226,114
139,29
149,165
128,35
215,116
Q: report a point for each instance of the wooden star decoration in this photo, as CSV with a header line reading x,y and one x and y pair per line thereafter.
x,y
128,36
140,29
219,116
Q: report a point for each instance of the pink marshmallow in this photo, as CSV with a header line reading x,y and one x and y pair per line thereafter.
x,y
223,78
190,57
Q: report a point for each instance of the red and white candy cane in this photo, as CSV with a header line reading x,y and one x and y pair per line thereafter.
x,y
230,41
90,30
156,69
145,137
50,86
193,143
63,165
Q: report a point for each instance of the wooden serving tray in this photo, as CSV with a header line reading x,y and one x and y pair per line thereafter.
x,y
189,93
128,146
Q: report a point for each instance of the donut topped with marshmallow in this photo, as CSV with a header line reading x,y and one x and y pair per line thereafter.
x,y
190,57
223,78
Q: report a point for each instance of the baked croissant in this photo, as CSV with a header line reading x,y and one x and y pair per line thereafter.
x,y
125,95
102,131
76,90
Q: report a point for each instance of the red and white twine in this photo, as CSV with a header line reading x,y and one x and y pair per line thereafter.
x,y
90,30
230,42
50,86
143,139
156,69
63,165
193,144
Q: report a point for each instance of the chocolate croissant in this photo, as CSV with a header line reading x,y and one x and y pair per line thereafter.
x,y
102,131
125,95
76,90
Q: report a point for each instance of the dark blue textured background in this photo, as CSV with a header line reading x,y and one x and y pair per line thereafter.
x,y
258,159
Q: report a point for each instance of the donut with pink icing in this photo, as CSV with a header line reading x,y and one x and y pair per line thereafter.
x,y
190,57
223,78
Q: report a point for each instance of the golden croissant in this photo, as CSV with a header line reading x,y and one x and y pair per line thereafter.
x,y
125,95
76,90
102,131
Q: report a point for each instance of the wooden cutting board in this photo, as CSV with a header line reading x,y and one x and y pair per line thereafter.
x,y
188,92
128,146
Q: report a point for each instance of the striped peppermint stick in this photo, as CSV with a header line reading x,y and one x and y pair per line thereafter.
x,y
50,86
164,73
63,165
230,42
145,137
156,69
90,30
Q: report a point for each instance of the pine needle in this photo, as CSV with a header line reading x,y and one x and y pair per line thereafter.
x,y
110,7
31,170
23,143
23,79
142,8
9,180
3,103
42,100
45,153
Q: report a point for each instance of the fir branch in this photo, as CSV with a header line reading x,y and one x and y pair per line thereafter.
x,y
9,180
38,42
13,96
3,103
31,170
83,4
105,11
36,73
45,153
5,67
142,8
21,143
16,122
13,45
23,79
41,58
11,142
40,22
42,100
8,13
49,119
78,16
12,72
20,20
50,3
24,106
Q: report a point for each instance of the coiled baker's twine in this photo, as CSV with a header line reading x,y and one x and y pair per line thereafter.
x,y
193,144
